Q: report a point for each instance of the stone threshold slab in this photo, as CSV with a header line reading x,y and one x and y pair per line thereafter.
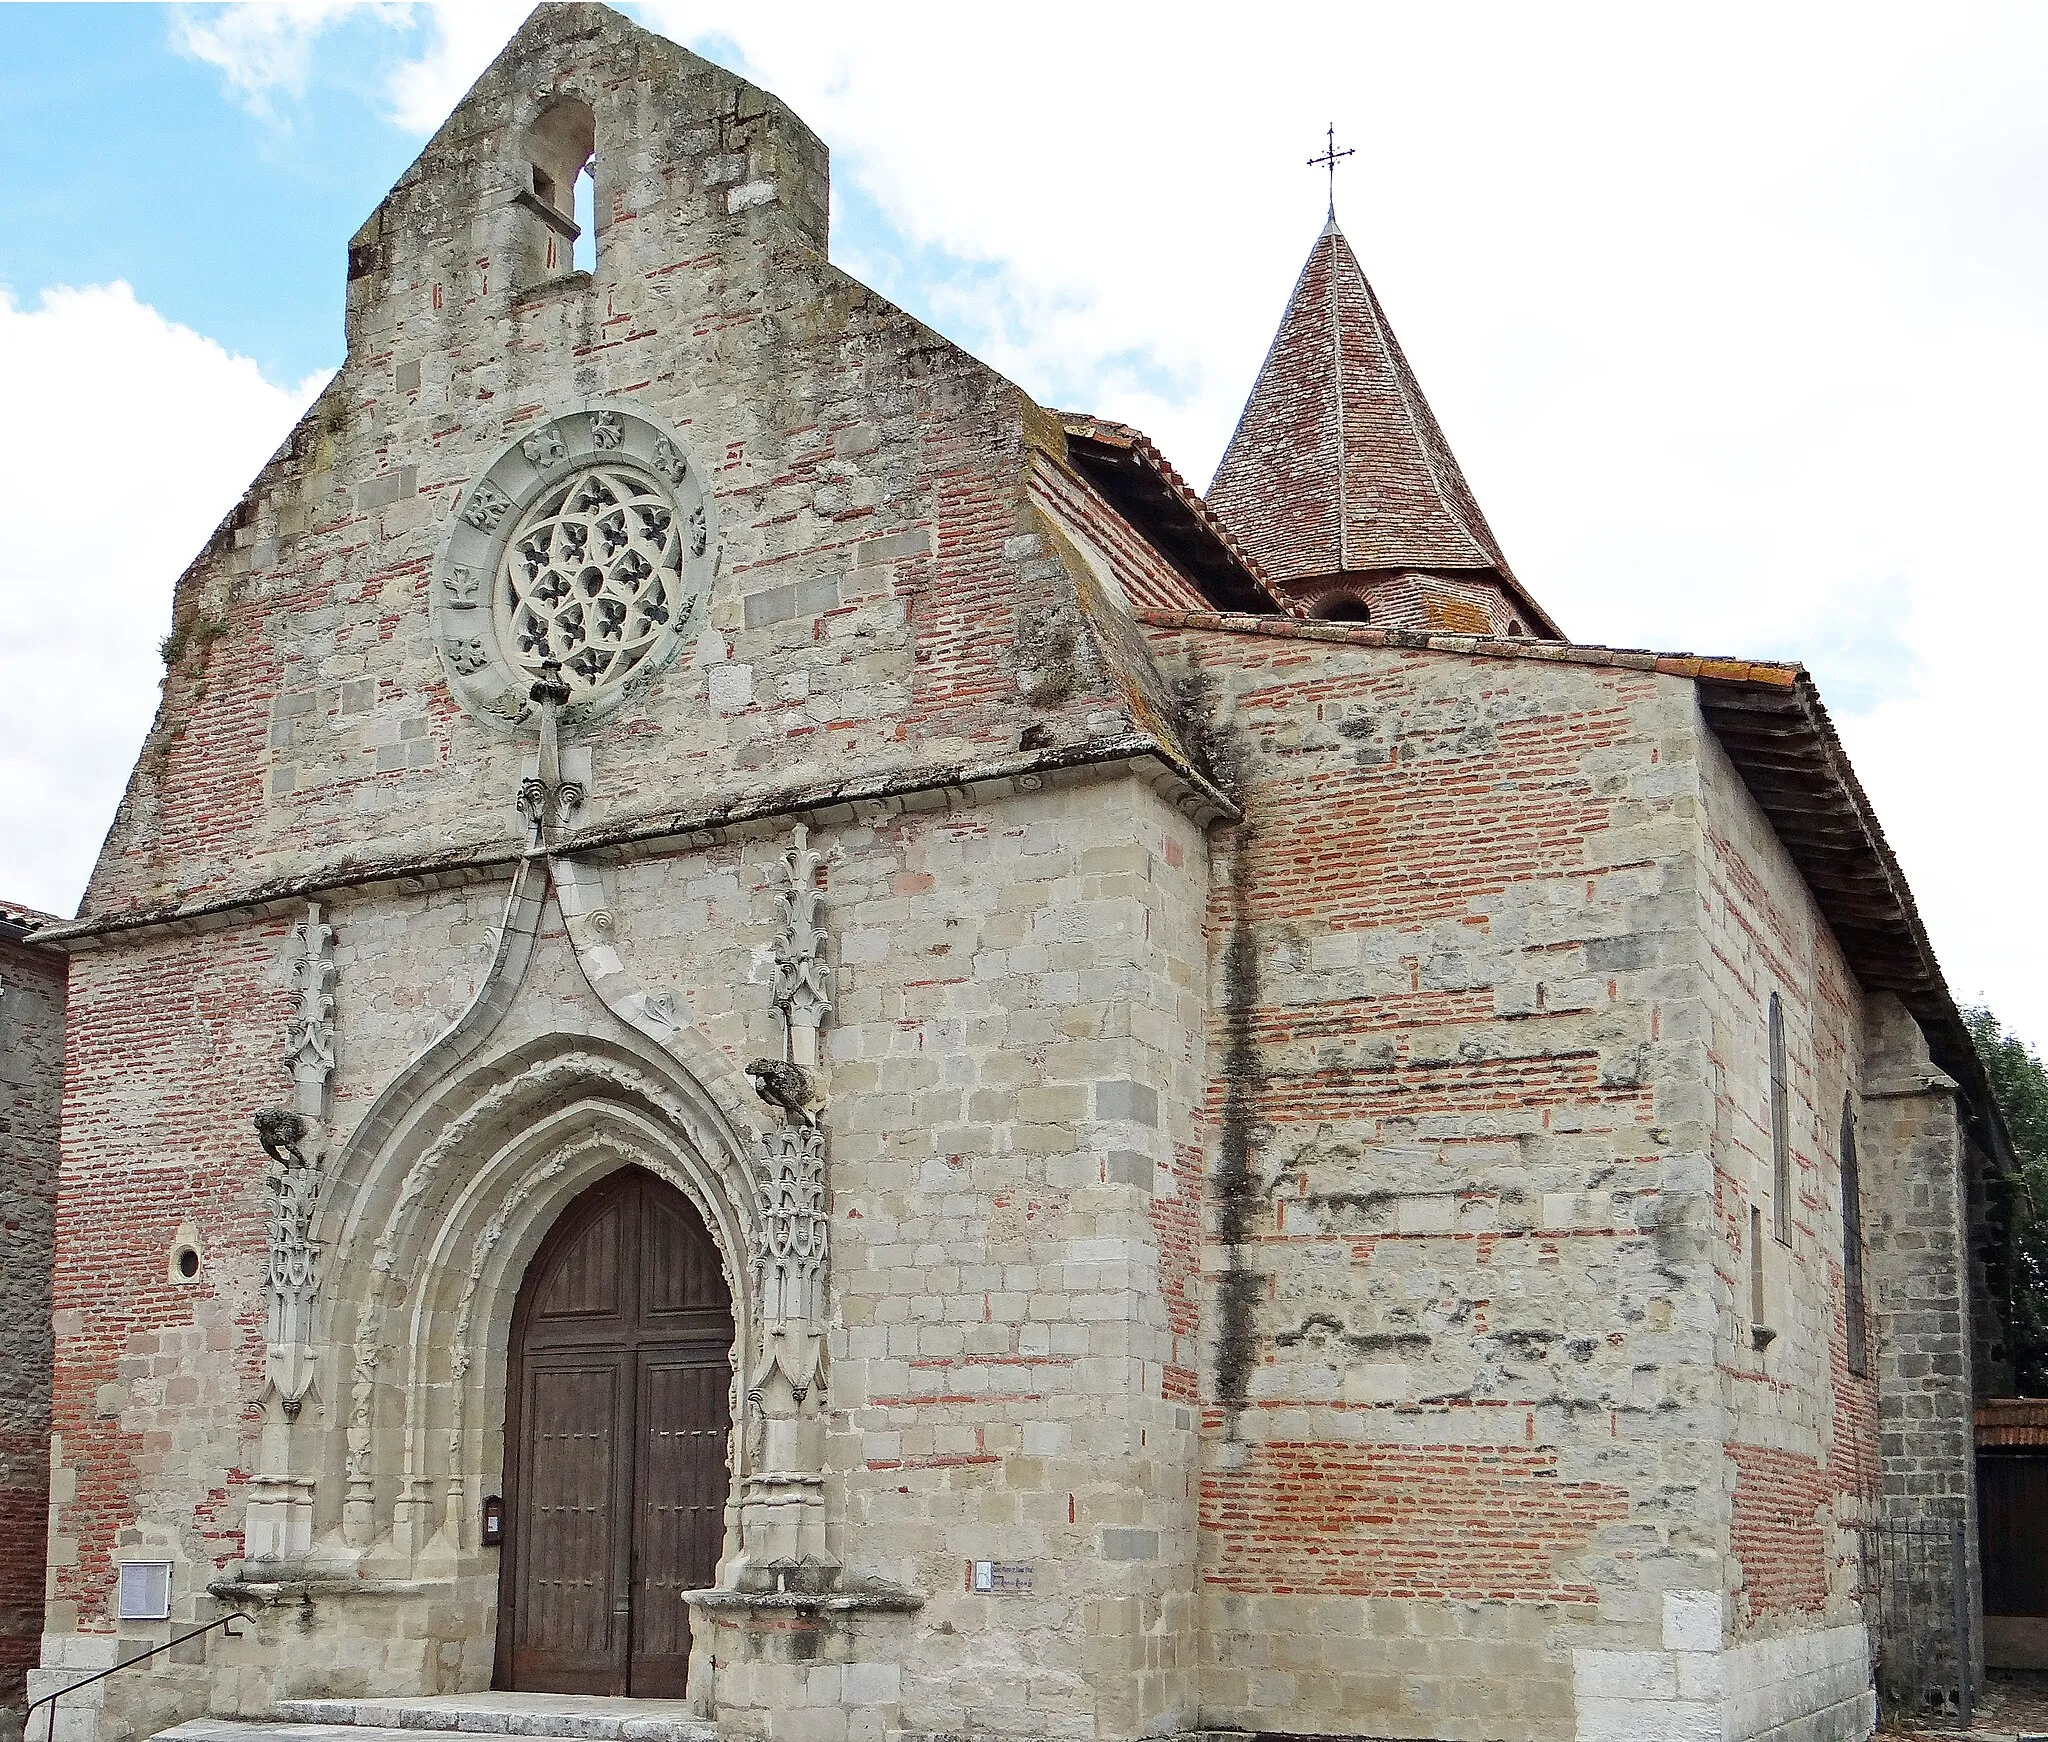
x,y
588,1717
579,1717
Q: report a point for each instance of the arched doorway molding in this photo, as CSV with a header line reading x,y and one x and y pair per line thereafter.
x,y
422,1356
445,1188
438,1083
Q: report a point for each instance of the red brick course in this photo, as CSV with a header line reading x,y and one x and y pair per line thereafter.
x,y
1389,800
171,1047
1777,1533
1465,1523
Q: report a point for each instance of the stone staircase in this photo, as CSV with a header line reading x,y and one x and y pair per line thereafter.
x,y
580,1717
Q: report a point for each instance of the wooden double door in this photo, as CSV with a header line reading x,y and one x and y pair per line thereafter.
x,y
618,1406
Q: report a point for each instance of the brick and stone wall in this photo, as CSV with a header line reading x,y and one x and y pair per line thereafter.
x,y
914,595
888,595
1412,599
1480,1110
1801,1447
1459,1387
1800,1443
1291,1103
31,1090
1015,1077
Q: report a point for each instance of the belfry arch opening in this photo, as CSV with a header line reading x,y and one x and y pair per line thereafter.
x,y
559,163
1342,608
617,1434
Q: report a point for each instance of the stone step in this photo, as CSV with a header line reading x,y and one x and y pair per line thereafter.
x,y
581,1717
585,1716
266,1730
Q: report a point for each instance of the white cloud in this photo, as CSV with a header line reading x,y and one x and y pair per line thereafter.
x,y
264,51
465,40
144,437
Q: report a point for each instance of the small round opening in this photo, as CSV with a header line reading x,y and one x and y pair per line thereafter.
x,y
186,1262
1344,608
1515,626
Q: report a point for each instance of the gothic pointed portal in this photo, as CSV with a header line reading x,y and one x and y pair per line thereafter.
x,y
618,1414
1340,482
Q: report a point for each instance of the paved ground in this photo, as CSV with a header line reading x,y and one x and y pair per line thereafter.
x,y
2015,1704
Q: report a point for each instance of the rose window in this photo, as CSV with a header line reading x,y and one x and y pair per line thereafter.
x,y
589,544
592,577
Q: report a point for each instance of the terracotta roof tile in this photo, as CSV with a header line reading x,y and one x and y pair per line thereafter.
x,y
20,920
2012,1421
1146,488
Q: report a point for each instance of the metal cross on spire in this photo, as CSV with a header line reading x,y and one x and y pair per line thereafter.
x,y
1329,158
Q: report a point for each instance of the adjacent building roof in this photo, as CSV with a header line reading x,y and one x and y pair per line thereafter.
x,y
2012,1421
1337,465
18,922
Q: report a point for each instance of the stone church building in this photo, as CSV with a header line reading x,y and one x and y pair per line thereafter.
x,y
768,1029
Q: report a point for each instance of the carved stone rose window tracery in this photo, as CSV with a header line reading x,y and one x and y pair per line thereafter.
x,y
586,542
592,578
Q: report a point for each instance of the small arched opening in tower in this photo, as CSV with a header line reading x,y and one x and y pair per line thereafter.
x,y
1342,608
584,255
560,152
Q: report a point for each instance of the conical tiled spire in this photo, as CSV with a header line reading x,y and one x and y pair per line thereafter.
x,y
1337,466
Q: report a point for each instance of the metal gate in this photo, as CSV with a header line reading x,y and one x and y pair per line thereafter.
x,y
1916,1575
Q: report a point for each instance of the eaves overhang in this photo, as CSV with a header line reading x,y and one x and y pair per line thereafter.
x,y
1142,485
1779,736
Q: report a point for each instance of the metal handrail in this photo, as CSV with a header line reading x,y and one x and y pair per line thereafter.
x,y
50,1700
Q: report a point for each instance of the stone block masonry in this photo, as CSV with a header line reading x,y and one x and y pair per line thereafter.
x,y
31,1092
1017,1018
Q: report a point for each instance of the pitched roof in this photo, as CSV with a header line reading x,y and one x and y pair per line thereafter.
x,y
1337,464
1123,463
2012,1421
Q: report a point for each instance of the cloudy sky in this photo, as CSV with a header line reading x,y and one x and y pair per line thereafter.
x,y
1736,316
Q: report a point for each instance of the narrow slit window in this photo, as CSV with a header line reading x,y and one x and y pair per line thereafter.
x,y
1761,1335
585,258
1781,1131
1852,1246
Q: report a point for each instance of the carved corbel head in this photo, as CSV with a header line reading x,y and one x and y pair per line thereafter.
x,y
282,1134
791,1089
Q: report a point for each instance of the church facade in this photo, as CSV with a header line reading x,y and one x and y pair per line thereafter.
x,y
769,1028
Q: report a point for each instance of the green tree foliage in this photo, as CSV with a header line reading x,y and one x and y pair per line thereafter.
x,y
2019,1081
